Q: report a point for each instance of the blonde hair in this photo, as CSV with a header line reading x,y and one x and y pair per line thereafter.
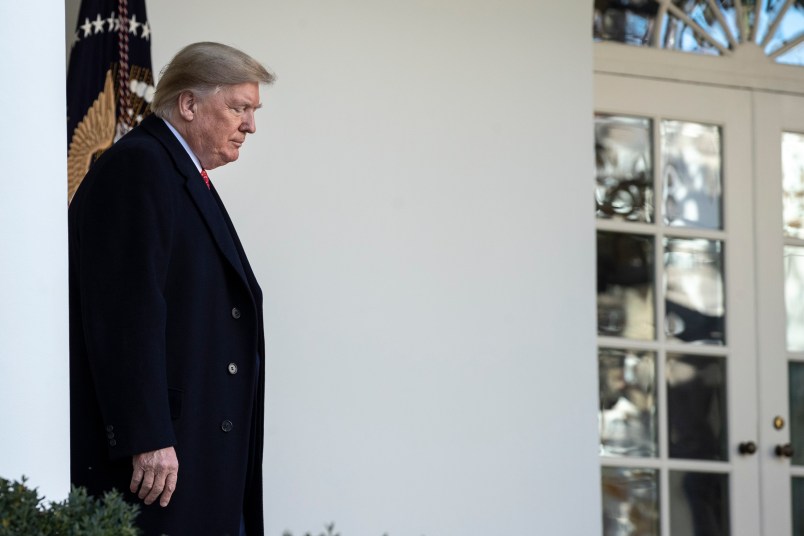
x,y
203,68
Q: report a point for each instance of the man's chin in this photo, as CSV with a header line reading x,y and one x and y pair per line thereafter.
x,y
224,159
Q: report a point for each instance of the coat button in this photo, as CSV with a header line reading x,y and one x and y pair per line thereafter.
x,y
109,428
110,435
227,425
112,442
232,369
235,313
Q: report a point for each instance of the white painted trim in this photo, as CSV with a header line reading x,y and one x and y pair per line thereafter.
x,y
655,346
746,68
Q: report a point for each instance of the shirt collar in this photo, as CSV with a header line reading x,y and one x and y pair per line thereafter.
x,y
183,142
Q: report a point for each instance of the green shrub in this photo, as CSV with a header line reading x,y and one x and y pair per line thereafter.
x,y
23,513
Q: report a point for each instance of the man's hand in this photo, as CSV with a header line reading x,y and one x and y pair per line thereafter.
x,y
155,473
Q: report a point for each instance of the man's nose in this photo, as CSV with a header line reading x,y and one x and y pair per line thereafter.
x,y
249,124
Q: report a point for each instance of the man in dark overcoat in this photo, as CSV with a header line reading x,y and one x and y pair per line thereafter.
x,y
166,331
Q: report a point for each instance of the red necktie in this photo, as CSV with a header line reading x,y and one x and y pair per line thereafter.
x,y
205,177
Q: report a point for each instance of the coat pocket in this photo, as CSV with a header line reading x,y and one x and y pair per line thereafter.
x,y
174,400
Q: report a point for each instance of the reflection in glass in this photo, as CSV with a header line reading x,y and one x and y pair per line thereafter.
x,y
793,184
625,285
794,297
624,187
699,503
696,407
798,500
627,402
796,379
630,502
691,178
624,21
694,294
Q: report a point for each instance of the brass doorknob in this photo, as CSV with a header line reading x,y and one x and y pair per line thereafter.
x,y
785,450
747,447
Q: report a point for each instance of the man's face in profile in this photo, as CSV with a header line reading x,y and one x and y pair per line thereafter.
x,y
222,120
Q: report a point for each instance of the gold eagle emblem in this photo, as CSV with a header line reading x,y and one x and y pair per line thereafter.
x,y
93,135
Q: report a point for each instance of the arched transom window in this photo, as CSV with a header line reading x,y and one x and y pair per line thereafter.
x,y
714,27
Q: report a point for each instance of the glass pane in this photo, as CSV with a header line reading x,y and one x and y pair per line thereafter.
x,y
793,291
677,34
694,294
630,502
730,16
624,188
699,503
691,165
796,379
749,15
798,500
793,184
789,30
700,11
634,22
794,56
696,407
770,10
627,402
625,21
625,285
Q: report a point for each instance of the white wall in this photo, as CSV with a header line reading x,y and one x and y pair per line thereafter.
x,y
34,440
416,204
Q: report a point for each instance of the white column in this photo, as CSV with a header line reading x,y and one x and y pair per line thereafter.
x,y
34,408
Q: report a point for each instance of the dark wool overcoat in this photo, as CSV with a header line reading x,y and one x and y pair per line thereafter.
x,y
166,338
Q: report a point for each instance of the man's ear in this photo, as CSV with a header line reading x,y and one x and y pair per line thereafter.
x,y
187,105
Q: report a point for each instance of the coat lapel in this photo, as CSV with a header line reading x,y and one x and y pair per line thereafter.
x,y
255,287
199,192
217,225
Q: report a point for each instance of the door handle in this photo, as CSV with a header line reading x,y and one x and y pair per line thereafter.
x,y
747,448
784,451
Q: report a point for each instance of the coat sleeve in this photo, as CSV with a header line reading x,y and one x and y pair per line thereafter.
x,y
125,222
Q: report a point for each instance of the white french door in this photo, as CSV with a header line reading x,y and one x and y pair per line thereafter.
x,y
779,190
681,435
